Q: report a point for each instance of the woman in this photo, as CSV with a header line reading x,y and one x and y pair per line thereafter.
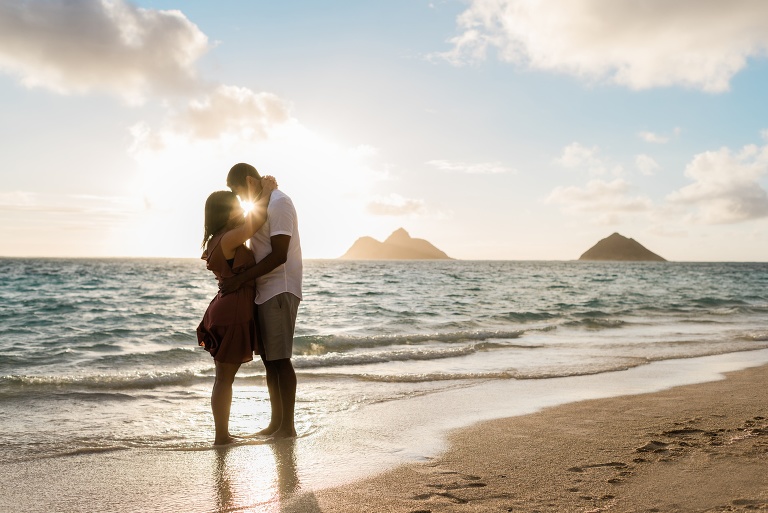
x,y
228,329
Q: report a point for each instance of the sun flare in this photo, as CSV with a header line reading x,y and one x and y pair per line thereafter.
x,y
247,206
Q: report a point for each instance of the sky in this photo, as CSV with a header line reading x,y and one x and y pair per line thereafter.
x,y
495,129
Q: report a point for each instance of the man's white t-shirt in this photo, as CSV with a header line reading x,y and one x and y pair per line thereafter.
x,y
281,220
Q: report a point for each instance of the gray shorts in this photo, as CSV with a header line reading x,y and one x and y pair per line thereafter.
x,y
277,320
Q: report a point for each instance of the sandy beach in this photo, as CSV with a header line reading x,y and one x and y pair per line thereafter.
x,y
700,447
690,448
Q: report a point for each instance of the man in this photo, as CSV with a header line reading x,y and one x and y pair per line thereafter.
x,y
278,273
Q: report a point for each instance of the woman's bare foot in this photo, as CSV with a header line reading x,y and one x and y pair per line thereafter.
x,y
225,440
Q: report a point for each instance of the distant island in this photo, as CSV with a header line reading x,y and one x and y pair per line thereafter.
x,y
618,247
398,246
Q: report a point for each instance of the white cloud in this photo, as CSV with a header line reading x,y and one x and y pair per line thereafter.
x,y
234,111
116,47
653,43
395,205
77,46
726,187
575,155
653,138
646,164
578,156
607,200
481,168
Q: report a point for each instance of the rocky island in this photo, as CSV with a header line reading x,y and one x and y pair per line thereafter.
x,y
620,248
398,246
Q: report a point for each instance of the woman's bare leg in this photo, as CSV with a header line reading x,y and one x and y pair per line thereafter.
x,y
221,400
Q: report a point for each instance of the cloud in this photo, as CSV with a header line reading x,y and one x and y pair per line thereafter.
x,y
576,156
654,43
232,110
653,138
113,46
726,187
646,164
609,200
481,168
395,205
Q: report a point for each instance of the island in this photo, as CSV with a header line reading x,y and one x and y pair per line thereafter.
x,y
398,246
620,248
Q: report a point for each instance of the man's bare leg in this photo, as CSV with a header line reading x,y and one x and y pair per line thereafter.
x,y
221,400
287,386
281,384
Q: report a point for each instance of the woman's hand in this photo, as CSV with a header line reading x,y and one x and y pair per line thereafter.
x,y
268,184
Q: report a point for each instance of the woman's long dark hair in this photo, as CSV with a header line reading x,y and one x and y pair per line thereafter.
x,y
218,208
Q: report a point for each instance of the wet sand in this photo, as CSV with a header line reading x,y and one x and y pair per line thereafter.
x,y
692,448
701,447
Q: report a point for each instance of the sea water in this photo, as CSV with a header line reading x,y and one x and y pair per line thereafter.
x,y
101,355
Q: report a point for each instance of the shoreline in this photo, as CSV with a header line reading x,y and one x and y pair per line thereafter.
x,y
447,451
697,447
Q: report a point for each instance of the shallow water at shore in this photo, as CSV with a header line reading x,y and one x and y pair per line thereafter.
x,y
100,355
284,476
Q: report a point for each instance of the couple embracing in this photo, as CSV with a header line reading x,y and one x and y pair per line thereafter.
x,y
259,294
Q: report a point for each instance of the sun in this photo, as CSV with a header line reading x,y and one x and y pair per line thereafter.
x,y
247,207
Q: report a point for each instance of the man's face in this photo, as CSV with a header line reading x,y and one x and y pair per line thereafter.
x,y
249,191
241,191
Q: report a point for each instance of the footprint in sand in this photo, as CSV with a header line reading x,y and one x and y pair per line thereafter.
x,y
653,446
457,486
748,502
445,495
616,464
683,432
446,488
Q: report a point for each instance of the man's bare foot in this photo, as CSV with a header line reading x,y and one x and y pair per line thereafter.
x,y
283,433
268,431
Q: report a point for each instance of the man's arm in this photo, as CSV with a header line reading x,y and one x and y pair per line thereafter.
x,y
272,261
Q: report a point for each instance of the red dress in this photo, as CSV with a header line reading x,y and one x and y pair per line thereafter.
x,y
228,329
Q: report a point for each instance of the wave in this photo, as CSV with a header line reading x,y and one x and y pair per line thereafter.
x,y
757,336
523,317
27,384
401,355
596,323
164,358
621,364
718,302
321,344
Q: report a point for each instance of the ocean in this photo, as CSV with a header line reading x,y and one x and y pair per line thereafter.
x,y
100,355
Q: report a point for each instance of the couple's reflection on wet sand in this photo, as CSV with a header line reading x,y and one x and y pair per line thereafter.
x,y
244,478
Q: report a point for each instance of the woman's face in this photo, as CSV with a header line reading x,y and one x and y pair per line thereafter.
x,y
237,213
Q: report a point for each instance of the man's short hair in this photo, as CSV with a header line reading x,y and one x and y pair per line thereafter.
x,y
237,174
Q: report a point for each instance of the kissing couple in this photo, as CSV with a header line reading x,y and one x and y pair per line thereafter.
x,y
255,309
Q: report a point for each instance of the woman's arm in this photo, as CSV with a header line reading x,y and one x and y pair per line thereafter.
x,y
254,220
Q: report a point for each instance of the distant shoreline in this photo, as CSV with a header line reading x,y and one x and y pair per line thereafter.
x,y
337,259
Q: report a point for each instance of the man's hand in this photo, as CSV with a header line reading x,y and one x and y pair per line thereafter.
x,y
229,285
